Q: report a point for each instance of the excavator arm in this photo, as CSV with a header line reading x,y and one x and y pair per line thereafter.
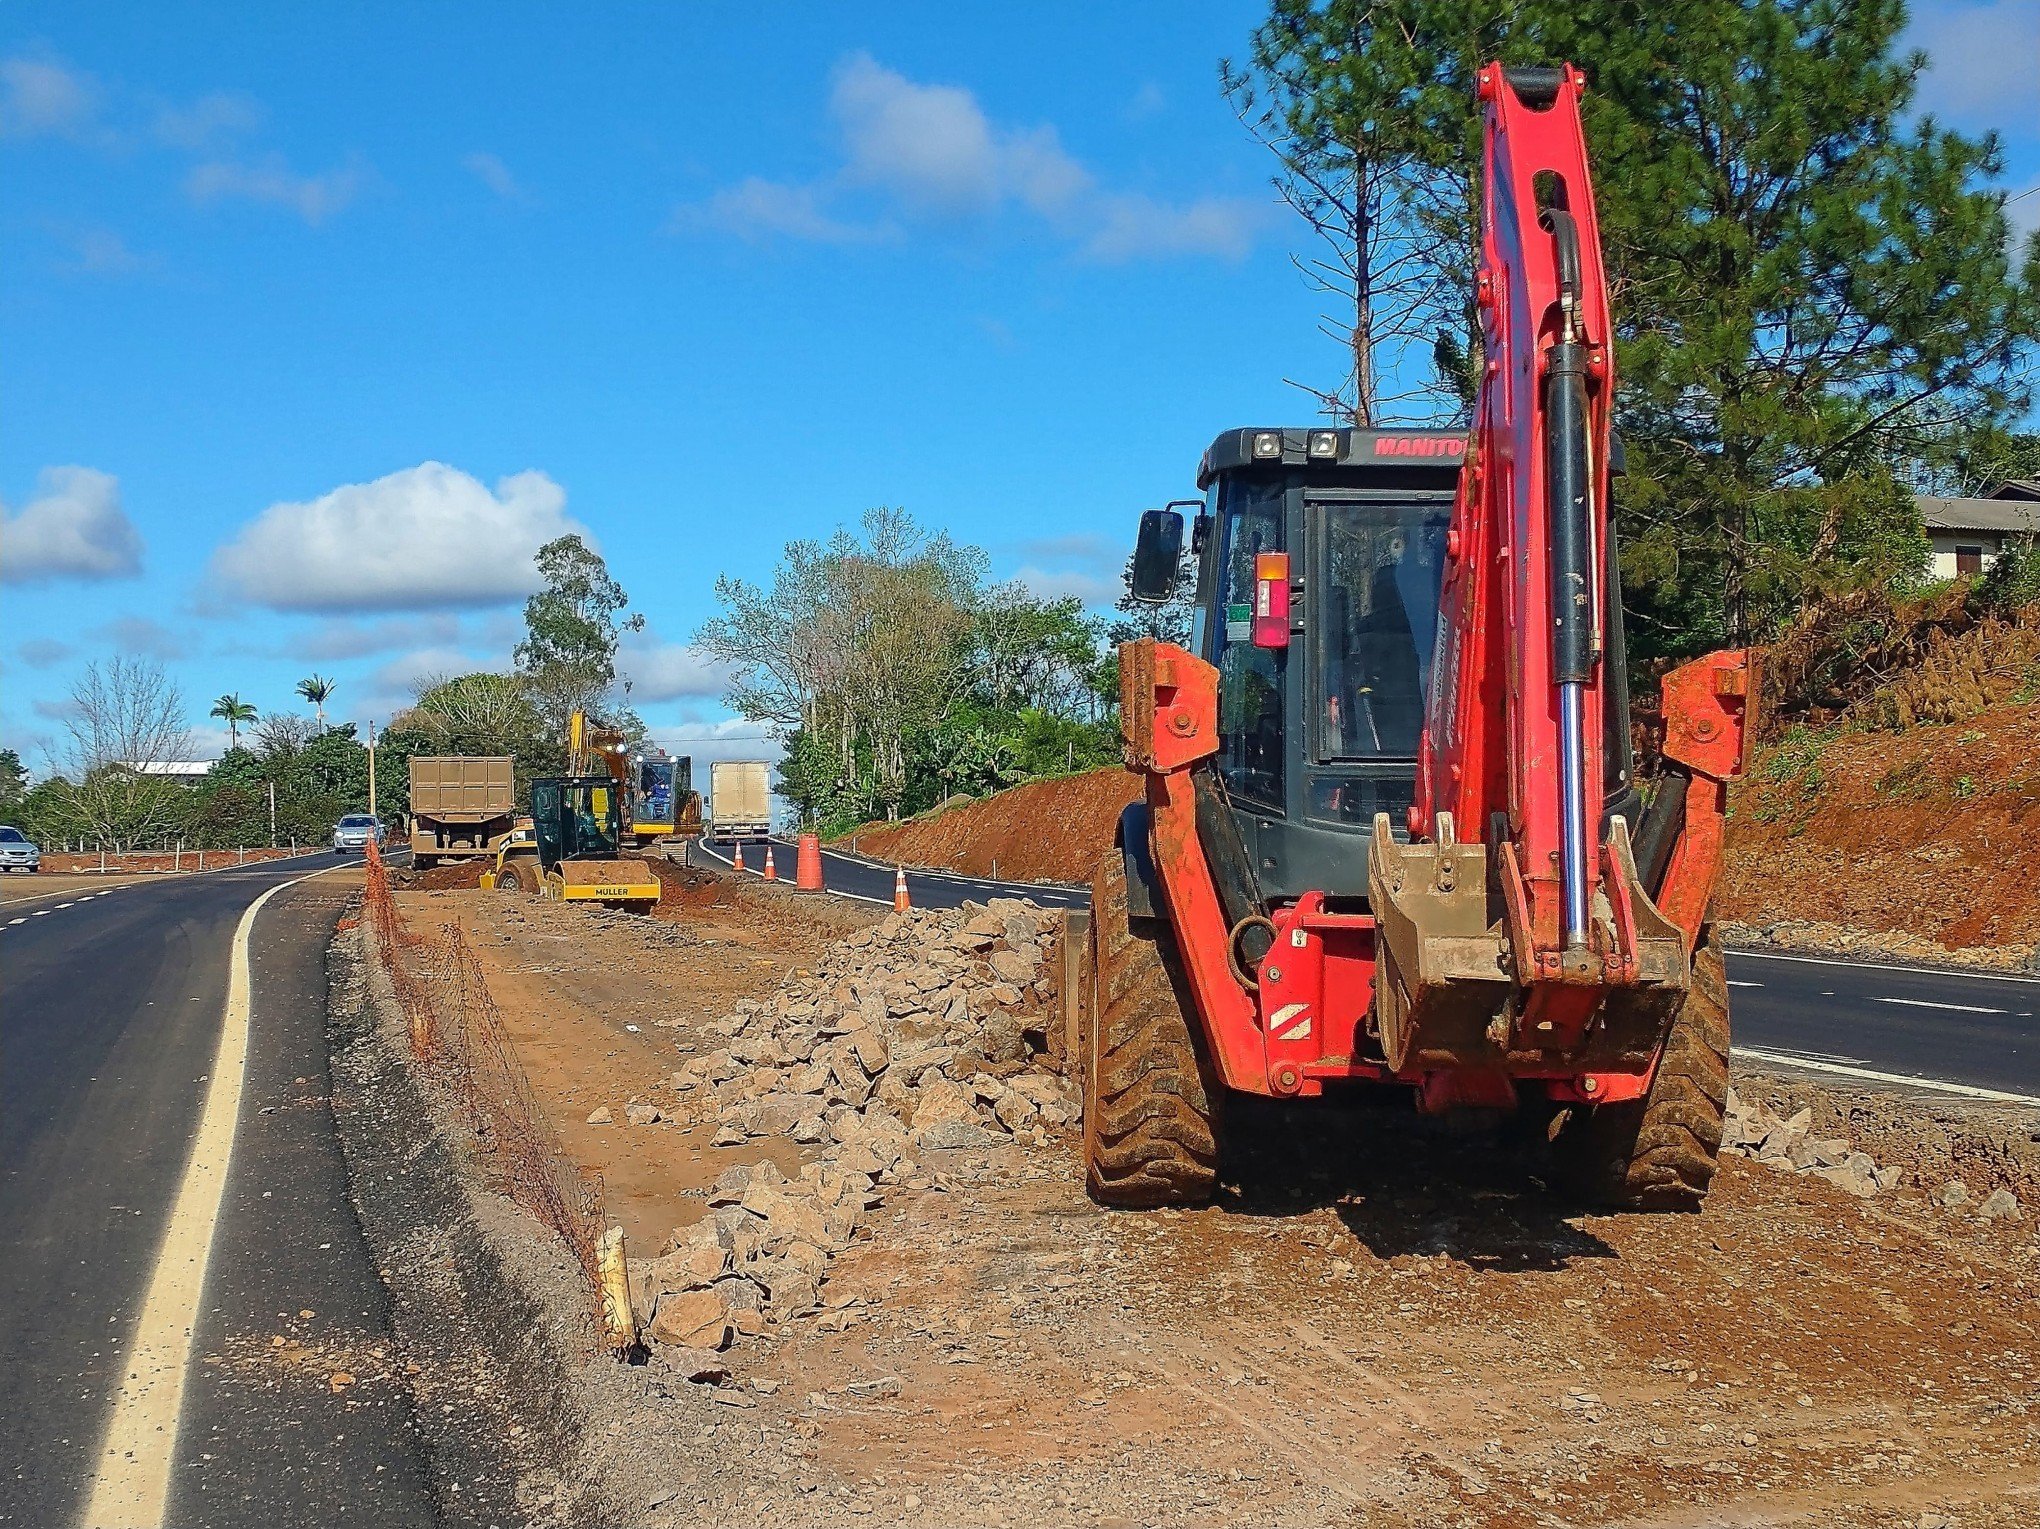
x,y
1516,915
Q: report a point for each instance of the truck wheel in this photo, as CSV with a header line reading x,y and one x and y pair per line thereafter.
x,y
510,879
1150,1100
423,862
1660,1152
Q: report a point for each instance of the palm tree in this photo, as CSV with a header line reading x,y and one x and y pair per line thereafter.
x,y
316,690
233,711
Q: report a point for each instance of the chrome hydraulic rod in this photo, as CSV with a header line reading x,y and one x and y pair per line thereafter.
x,y
1572,853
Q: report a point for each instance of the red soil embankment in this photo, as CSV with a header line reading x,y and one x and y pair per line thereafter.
x,y
1046,830
1933,831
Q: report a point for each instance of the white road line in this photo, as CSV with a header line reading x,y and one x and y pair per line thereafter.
x,y
22,920
1872,1075
1926,1003
1733,983
40,913
67,905
1740,954
132,1485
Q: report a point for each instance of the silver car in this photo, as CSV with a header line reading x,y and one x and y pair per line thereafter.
x,y
18,852
355,832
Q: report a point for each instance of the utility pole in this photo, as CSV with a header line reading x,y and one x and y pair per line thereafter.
x,y
272,814
371,767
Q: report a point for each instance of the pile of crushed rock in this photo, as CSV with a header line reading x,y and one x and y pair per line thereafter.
x,y
1787,1143
919,1034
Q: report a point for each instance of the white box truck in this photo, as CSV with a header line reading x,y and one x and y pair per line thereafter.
x,y
740,799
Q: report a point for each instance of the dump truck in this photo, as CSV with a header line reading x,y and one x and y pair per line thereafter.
x,y
462,806
740,799
1391,830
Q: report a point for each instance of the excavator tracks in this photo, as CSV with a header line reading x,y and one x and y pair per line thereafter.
x,y
1150,1102
1660,1152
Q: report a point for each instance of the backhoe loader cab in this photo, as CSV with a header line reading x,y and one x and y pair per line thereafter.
x,y
1321,703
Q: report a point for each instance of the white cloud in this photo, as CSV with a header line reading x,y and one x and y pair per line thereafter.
x,y
270,179
1148,101
756,211
102,252
428,537
334,640
2022,210
668,671
934,147
140,634
1128,226
493,173
704,742
1054,584
73,527
41,97
930,153
407,674
224,114
1981,62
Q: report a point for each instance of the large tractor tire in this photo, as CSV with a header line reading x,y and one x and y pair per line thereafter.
x,y
519,880
1660,1152
1150,1099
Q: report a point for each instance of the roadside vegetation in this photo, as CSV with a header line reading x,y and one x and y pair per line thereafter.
x,y
901,676
287,777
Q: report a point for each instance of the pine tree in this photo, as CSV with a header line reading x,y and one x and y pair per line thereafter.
x,y
1817,300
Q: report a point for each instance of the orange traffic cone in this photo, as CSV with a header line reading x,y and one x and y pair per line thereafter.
x,y
899,892
737,858
771,870
807,868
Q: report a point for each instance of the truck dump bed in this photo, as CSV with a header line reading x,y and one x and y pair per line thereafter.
x,y
458,787
461,806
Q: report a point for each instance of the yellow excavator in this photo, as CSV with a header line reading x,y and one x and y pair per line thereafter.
x,y
659,799
572,850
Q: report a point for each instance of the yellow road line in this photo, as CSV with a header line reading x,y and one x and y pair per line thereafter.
x,y
131,1487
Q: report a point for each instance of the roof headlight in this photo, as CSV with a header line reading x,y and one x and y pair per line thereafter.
x,y
1268,443
1324,443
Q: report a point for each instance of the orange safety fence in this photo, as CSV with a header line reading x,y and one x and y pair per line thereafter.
x,y
458,1044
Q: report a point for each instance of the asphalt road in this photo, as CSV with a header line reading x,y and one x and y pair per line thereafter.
x,y
111,1013
1954,1032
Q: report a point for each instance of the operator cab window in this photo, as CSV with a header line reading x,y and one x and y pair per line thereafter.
x,y
1378,617
1249,678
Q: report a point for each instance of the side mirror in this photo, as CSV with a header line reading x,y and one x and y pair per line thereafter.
x,y
1157,555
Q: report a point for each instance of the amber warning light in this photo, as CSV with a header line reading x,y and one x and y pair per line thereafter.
x,y
1271,600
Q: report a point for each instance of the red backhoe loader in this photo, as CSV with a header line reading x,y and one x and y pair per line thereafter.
x,y
1391,830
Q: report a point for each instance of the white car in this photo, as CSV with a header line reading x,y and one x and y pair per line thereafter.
x,y
354,832
18,852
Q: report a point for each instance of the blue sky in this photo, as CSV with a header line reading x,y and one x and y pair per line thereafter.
x,y
315,322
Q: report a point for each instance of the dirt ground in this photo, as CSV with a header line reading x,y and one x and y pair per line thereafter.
x,y
1379,1322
